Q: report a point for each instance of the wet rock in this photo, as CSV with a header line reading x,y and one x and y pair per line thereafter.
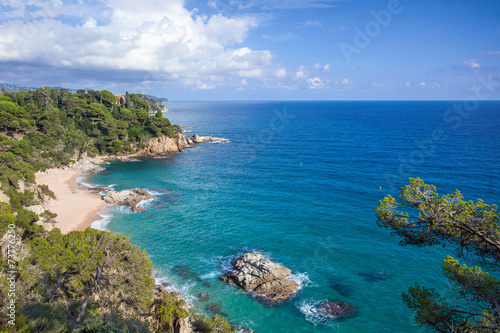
x,y
267,279
336,309
128,198
215,308
203,297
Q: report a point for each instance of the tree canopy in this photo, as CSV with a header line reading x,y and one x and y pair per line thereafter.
x,y
426,219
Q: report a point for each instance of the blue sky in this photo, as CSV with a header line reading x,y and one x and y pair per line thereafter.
x,y
256,50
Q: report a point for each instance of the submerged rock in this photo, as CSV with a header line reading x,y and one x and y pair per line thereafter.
x,y
203,297
376,276
215,308
267,279
127,198
336,309
340,286
184,271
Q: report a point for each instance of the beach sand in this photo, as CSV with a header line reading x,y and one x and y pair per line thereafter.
x,y
75,208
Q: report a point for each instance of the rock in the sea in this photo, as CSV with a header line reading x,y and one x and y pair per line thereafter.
x,y
128,198
267,279
202,139
337,309
215,308
203,297
340,286
376,276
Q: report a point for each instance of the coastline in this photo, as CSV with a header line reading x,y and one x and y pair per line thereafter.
x,y
76,208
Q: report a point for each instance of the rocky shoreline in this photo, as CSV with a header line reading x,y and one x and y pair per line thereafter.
x,y
155,147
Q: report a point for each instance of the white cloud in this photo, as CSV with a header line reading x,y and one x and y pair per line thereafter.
x,y
326,68
346,82
473,64
161,38
317,65
315,83
211,3
423,84
301,73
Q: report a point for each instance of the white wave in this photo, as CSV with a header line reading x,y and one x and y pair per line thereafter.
x,y
155,193
123,209
148,203
223,140
311,311
184,289
226,264
211,275
302,279
103,222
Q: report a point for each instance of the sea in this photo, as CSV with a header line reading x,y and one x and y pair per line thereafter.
x,y
298,182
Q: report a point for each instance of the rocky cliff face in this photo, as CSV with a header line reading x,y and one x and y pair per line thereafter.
x,y
165,144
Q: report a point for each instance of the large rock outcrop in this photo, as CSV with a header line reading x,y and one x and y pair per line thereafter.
x,y
267,279
88,165
128,198
165,144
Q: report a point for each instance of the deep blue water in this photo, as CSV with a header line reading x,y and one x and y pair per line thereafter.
x,y
300,180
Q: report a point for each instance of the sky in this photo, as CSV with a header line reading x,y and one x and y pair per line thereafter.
x,y
256,49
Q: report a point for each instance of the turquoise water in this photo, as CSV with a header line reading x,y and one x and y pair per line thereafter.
x,y
300,180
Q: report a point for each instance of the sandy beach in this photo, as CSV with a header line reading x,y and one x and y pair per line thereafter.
x,y
75,208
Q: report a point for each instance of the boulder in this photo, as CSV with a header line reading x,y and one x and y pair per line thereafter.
x,y
87,166
336,309
127,198
267,279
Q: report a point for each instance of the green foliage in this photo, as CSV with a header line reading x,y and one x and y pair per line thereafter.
x,y
57,123
20,199
87,263
214,324
47,318
429,219
97,325
170,310
6,218
46,191
106,97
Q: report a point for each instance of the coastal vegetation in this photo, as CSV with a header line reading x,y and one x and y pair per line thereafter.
x,y
428,219
82,281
